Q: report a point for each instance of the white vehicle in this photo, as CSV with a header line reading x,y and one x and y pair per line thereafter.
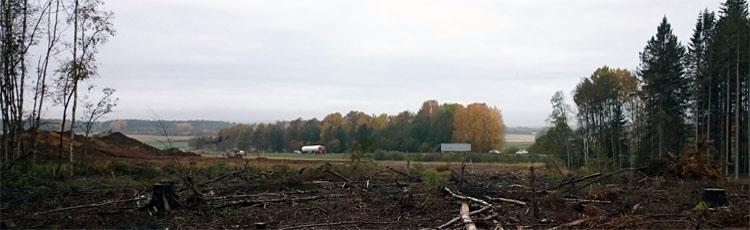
x,y
317,149
522,152
494,151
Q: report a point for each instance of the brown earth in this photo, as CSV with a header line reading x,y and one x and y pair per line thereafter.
x,y
101,147
310,197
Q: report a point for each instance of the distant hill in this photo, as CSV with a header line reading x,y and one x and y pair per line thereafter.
x,y
149,127
523,130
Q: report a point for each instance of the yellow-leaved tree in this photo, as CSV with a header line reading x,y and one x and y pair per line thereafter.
x,y
480,125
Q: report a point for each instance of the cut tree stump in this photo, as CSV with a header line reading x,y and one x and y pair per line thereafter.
x,y
715,197
163,197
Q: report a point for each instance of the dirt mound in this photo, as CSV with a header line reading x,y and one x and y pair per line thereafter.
x,y
113,145
121,139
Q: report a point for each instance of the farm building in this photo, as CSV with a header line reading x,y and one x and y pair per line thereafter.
x,y
454,147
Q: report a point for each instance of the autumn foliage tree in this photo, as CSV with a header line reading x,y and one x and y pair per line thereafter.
x,y
480,125
432,124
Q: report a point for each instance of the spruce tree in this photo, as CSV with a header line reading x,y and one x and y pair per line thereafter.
x,y
663,74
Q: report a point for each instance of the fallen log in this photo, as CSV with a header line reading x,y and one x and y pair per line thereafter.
x,y
338,175
573,224
466,217
462,197
90,205
338,223
507,200
277,200
607,176
454,220
417,179
220,178
588,201
191,184
573,181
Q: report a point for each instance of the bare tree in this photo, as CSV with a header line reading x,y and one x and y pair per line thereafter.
x,y
93,111
20,23
92,26
40,88
163,128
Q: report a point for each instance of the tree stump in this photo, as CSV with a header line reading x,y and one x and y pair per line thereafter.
x,y
715,197
163,197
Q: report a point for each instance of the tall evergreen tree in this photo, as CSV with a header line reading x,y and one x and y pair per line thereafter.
x,y
700,80
727,53
662,72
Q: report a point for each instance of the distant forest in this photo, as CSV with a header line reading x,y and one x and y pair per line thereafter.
x,y
683,101
434,123
147,127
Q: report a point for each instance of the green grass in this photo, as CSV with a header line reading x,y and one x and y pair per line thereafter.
x,y
184,145
519,145
292,156
398,157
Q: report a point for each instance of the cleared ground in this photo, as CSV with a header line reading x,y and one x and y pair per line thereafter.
x,y
218,193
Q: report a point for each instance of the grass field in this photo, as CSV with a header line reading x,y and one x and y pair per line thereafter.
x,y
520,141
519,138
161,142
519,145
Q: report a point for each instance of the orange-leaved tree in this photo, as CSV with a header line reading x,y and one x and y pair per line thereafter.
x,y
480,125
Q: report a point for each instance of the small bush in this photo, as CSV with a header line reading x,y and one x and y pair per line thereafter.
x,y
416,169
379,155
443,168
217,169
433,180
137,172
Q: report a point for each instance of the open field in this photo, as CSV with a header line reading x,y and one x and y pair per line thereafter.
x,y
519,138
160,142
381,156
519,145
520,141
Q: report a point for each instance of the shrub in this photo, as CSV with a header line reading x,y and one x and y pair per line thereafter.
x,y
379,155
138,171
433,180
443,168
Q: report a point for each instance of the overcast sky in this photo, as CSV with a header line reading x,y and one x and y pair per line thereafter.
x,y
251,61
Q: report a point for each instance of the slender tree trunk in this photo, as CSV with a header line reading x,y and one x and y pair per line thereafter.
x,y
728,125
708,118
76,67
22,80
737,113
42,79
73,119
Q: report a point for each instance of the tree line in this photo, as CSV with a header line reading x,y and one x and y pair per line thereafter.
x,y
146,127
692,99
48,54
434,123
